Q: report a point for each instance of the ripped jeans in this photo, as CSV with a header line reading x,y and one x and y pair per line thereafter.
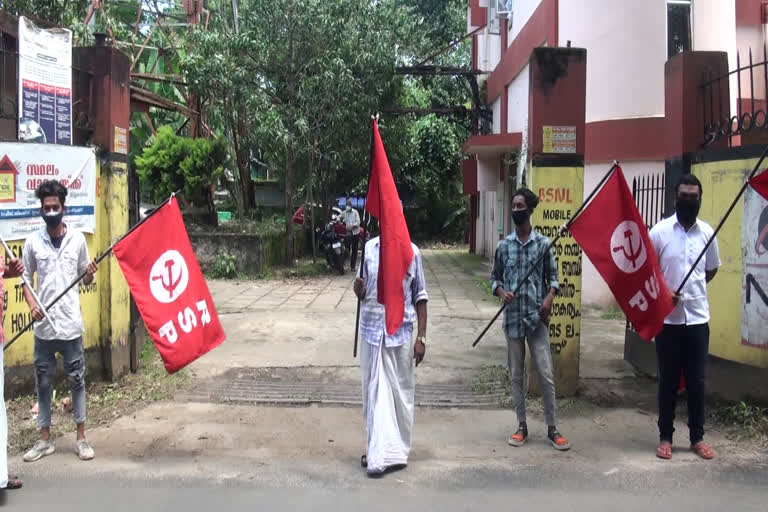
x,y
45,375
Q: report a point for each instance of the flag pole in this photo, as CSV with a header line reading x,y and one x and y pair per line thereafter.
x,y
552,243
362,256
722,221
79,278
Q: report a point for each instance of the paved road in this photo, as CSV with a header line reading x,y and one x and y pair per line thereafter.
x,y
313,487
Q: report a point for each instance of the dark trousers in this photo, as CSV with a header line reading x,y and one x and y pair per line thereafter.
x,y
682,348
353,241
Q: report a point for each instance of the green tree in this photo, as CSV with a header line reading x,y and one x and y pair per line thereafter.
x,y
174,163
298,80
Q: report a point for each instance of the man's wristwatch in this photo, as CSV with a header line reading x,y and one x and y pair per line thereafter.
x,y
422,339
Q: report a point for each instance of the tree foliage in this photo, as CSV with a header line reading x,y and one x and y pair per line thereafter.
x,y
174,163
298,80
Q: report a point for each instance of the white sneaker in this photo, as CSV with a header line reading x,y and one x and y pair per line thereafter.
x,y
84,450
40,450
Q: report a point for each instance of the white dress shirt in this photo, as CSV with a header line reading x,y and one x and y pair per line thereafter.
x,y
677,250
372,314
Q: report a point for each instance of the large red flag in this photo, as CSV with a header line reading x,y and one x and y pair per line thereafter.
x,y
169,289
612,233
396,253
760,183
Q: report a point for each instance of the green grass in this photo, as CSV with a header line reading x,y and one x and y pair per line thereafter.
x,y
485,285
742,421
105,401
612,313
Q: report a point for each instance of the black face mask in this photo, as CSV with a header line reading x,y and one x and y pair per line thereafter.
x,y
520,216
53,219
687,209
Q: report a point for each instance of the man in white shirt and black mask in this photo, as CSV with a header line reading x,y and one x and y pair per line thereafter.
x,y
683,345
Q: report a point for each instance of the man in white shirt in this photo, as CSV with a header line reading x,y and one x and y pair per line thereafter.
x,y
351,219
58,255
387,362
683,345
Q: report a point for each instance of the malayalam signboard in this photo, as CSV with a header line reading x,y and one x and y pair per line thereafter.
x,y
23,167
559,139
45,84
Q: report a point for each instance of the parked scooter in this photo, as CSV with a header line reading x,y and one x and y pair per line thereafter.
x,y
332,246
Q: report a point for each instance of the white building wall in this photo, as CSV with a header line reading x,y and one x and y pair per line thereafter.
x,y
714,30
488,51
496,107
626,51
487,237
524,9
517,104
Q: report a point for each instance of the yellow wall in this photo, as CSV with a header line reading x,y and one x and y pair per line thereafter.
x,y
721,181
560,191
111,214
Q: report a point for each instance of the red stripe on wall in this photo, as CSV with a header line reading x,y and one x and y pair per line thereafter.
x,y
625,140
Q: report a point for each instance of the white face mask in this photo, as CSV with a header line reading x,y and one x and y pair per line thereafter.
x,y
349,208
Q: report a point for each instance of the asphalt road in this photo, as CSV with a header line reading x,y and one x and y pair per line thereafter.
x,y
315,485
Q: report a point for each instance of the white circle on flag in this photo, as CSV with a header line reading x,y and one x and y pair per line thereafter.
x,y
169,277
627,247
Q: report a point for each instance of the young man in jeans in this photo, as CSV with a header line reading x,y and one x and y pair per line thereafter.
x,y
58,255
527,312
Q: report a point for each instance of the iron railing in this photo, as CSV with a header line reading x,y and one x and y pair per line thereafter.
x,y
649,194
719,120
648,191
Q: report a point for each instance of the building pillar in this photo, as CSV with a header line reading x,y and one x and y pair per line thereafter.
x,y
556,128
691,105
109,71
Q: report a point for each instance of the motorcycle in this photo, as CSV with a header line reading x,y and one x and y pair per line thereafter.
x,y
330,243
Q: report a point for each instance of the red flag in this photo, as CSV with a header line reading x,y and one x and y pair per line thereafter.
x,y
396,253
760,183
611,232
169,289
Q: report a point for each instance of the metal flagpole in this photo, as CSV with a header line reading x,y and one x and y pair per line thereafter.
x,y
362,256
31,288
77,280
560,233
722,221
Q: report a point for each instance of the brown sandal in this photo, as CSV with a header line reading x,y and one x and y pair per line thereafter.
x,y
664,450
14,482
703,450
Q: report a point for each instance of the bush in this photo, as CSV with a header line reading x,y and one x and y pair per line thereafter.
x,y
225,266
174,163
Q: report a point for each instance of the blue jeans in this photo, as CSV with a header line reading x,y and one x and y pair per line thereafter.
x,y
45,374
541,355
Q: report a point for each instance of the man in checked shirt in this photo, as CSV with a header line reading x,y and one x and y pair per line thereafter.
x,y
527,312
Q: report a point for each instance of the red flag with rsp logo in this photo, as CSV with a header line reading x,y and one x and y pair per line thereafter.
x,y
169,289
613,235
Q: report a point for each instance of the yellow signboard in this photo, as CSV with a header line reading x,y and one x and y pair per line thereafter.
x,y
559,139
560,191
7,187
